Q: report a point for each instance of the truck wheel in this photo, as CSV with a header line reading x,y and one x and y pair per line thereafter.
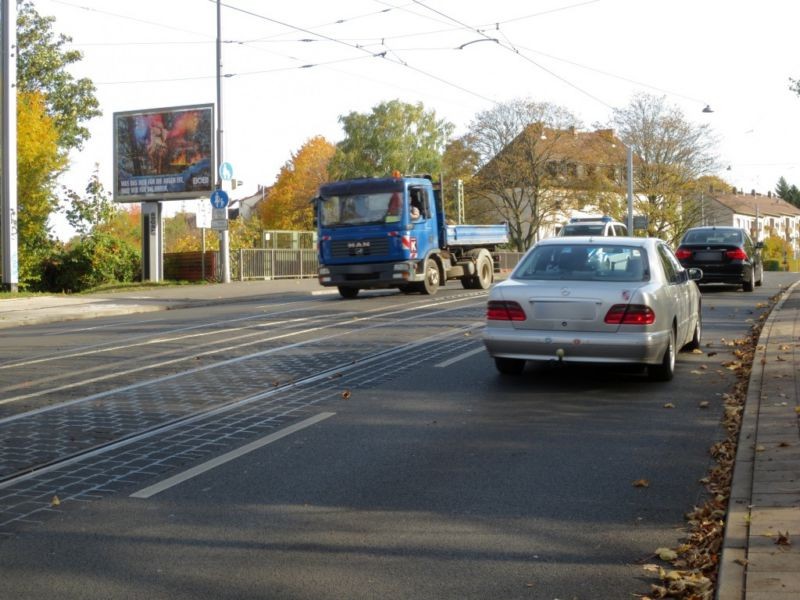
x,y
432,280
485,273
348,292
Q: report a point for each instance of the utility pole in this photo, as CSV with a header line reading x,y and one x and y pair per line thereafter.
x,y
630,191
224,253
8,147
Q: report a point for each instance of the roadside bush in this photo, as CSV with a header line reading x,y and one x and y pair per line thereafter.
x,y
772,264
92,261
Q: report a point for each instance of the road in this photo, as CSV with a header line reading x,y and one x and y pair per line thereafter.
x,y
323,448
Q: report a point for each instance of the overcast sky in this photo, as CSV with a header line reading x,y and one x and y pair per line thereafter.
x,y
293,67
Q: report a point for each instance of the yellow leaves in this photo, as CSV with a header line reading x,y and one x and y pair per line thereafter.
x,y
287,205
704,404
55,502
669,405
346,395
641,483
666,554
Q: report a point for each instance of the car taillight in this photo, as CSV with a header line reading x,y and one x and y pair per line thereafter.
x,y
498,310
736,254
683,253
630,314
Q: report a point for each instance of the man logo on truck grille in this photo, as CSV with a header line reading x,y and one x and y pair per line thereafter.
x,y
358,248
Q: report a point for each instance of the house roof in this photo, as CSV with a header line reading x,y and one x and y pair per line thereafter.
x,y
588,147
583,147
749,204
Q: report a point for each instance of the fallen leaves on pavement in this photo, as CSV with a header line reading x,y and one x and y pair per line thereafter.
x,y
696,560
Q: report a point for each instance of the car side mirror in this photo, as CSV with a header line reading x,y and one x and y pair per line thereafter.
x,y
695,274
759,245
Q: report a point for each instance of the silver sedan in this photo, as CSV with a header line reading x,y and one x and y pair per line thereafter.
x,y
618,300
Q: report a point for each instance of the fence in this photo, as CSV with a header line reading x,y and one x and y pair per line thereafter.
x,y
260,263
265,263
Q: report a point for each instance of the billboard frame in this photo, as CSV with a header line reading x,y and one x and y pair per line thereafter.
x,y
144,166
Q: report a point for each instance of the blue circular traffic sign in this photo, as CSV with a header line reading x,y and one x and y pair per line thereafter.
x,y
226,171
219,198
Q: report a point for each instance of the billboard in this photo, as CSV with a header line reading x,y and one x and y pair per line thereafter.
x,y
164,153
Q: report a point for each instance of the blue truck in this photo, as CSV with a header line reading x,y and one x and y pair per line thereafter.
x,y
392,233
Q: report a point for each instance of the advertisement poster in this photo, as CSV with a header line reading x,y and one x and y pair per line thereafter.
x,y
164,154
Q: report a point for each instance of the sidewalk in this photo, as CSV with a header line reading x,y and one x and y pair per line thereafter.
x,y
761,551
764,508
37,310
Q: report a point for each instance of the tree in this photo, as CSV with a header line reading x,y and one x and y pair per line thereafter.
x,y
51,105
795,87
787,192
42,66
516,143
394,136
38,162
459,162
86,213
670,154
288,204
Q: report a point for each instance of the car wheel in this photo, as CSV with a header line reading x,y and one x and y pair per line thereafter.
x,y
348,292
666,369
748,285
509,366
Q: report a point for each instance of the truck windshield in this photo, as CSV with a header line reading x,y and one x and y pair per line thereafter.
x,y
361,209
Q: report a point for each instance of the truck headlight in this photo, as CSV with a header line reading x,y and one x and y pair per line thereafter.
x,y
324,271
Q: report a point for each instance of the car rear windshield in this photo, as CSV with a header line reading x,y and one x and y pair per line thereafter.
x,y
713,236
584,262
583,229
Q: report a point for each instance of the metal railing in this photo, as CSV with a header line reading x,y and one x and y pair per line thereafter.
x,y
261,263
265,263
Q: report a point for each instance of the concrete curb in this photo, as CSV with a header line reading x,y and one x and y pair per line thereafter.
x,y
732,575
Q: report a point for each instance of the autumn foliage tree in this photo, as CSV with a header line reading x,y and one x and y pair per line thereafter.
x,y
39,161
51,108
288,205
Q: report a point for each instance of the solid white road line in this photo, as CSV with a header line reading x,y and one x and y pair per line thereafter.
x,y
455,359
229,456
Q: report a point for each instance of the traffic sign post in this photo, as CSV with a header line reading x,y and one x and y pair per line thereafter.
x,y
219,210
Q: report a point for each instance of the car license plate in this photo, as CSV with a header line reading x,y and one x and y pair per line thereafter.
x,y
583,311
708,256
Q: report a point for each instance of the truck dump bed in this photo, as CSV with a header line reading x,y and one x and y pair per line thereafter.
x,y
477,235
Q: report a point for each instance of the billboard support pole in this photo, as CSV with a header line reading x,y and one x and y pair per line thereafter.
x,y
224,253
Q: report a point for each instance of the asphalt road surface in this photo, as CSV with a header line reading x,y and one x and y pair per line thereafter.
x,y
323,448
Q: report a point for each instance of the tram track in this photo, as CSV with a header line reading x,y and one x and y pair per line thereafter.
x,y
57,432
